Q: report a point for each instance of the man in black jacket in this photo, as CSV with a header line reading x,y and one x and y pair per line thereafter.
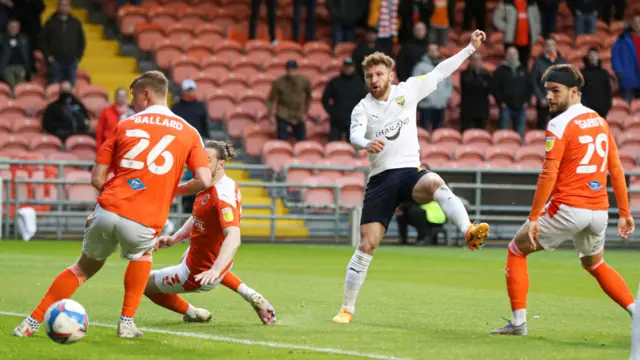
x,y
475,90
66,115
412,51
512,89
596,93
28,13
63,44
412,12
192,110
341,95
366,48
550,56
344,17
15,61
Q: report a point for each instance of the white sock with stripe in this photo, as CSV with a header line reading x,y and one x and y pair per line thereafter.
x,y
453,207
356,272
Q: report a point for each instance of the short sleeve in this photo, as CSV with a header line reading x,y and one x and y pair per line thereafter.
x,y
554,146
197,155
105,153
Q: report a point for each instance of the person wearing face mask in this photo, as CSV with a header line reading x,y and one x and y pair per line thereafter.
x,y
66,115
63,44
15,60
597,92
432,108
192,110
111,115
341,95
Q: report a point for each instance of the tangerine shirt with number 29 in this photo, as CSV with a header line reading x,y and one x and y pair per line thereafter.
x,y
147,153
581,151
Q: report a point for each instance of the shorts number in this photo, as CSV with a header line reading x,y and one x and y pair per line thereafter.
x,y
158,150
600,147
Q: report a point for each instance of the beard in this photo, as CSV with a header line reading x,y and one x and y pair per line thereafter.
x,y
559,108
380,91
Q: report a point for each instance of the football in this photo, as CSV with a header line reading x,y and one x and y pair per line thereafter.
x,y
66,322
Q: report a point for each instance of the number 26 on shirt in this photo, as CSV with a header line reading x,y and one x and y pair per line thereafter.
x,y
128,161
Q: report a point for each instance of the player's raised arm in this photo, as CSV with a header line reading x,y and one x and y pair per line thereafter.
x,y
104,157
199,163
426,84
626,224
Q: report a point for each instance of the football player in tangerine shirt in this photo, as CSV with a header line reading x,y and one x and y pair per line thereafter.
x,y
214,229
147,153
580,151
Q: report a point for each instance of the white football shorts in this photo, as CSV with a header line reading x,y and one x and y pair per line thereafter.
x,y
178,279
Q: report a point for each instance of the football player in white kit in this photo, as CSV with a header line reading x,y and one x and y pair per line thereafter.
x,y
384,123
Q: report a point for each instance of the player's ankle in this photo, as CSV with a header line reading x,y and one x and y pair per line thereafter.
x,y
127,320
519,317
191,311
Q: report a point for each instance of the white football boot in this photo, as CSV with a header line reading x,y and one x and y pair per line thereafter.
x,y
127,331
263,308
202,316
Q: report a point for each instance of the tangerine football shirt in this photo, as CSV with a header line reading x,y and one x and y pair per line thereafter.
x,y
147,153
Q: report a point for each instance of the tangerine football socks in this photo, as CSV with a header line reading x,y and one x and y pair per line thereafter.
x,y
135,281
63,287
517,277
356,273
173,302
613,285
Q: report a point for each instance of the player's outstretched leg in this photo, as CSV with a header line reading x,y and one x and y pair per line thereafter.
x,y
370,236
177,303
266,312
432,187
635,331
135,281
610,281
63,287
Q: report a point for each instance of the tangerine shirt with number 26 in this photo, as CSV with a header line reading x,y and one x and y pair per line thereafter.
x,y
147,153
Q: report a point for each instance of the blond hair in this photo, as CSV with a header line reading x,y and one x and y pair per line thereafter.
x,y
378,58
154,80
225,149
565,68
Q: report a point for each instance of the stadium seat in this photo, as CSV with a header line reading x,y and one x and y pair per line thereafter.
x,y
507,139
351,191
162,15
198,50
470,156
344,49
297,175
82,146
227,50
616,118
332,174
14,143
148,35
237,121
318,197
434,155
6,126
533,137
339,151
129,16
94,98
45,142
530,157
629,140
43,191
476,137
209,33
80,192
220,105
632,122
500,157
276,153
308,151
247,66
254,138
183,67
180,32
259,49
445,137
165,52
628,158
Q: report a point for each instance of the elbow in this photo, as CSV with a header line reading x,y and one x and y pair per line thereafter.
x,y
203,176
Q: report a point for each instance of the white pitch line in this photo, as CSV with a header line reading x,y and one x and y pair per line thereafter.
x,y
244,341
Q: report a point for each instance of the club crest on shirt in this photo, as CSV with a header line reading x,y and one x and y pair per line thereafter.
x,y
400,101
205,198
549,143
227,214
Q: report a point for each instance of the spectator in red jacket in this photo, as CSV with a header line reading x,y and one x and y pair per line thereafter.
x,y
111,115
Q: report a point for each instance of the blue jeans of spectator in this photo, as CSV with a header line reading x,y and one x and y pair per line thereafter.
x,y
299,130
343,33
629,94
585,23
433,117
125,2
310,34
517,116
62,71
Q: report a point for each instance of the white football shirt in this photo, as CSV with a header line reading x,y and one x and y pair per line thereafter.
x,y
394,121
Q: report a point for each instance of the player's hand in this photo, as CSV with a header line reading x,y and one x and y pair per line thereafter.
x,y
207,278
164,242
477,38
626,226
375,146
534,233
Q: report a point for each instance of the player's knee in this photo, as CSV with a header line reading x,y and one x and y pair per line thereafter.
x,y
435,183
368,243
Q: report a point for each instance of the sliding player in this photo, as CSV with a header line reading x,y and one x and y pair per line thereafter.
x,y
580,151
384,123
214,230
147,153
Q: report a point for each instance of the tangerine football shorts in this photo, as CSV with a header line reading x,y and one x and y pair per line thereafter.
x,y
387,190
178,279
105,230
585,227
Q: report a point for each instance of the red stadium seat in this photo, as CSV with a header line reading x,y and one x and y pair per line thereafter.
x,y
14,143
351,191
339,151
318,197
94,98
148,35
82,146
507,139
533,137
476,137
500,157
308,151
129,16
446,137
276,153
80,192
530,157
237,121
45,142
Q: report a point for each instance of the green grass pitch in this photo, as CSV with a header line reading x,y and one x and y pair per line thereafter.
x,y
417,303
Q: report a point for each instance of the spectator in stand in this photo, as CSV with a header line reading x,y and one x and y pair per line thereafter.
x,y
519,22
412,51
28,12
548,16
364,49
585,16
549,56
272,7
289,102
344,17
625,60
66,115
511,88
441,21
425,218
596,92
475,89
411,13
474,10
63,44
606,7
341,95
128,2
310,33
193,111
432,108
15,60
111,116
383,14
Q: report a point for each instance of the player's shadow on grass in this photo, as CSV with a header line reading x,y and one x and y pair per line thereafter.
x,y
622,344
194,327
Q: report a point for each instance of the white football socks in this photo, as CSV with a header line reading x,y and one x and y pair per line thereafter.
x,y
126,319
33,323
191,311
246,292
452,207
356,272
519,317
635,329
